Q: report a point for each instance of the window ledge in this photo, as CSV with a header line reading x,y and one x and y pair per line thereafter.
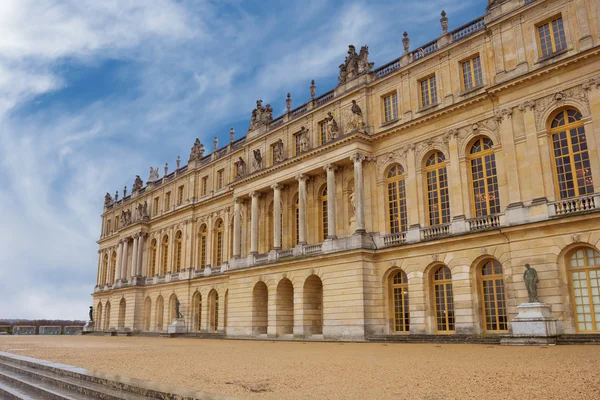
x,y
472,90
555,54
390,122
427,108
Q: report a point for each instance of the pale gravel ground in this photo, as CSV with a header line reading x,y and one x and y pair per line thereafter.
x,y
332,370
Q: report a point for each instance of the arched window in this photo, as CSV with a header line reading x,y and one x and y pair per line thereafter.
x,y
153,250
104,271
323,207
178,246
444,300
396,191
165,256
484,179
584,268
400,302
571,158
219,242
113,268
492,295
213,311
296,221
438,201
203,238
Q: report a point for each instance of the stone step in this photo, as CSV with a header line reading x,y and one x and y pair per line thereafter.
x,y
11,393
478,339
76,385
33,388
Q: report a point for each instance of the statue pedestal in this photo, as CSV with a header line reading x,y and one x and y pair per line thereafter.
x,y
534,325
88,327
177,326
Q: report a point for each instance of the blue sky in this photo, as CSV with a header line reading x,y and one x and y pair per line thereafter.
x,y
93,92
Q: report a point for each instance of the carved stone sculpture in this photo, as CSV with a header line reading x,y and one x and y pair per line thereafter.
x,y
177,306
304,139
355,64
153,174
241,168
530,277
107,199
145,210
261,115
116,195
257,162
166,169
197,152
138,183
278,154
355,122
91,314
353,201
332,127
140,211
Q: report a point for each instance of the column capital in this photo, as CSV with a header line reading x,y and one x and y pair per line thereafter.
x,y
358,158
302,177
255,194
238,200
330,167
277,186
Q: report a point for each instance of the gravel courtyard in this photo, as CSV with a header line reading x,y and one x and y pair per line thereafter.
x,y
296,370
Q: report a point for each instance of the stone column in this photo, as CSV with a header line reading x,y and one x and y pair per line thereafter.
x,y
254,223
124,259
99,273
119,260
237,232
140,254
134,256
455,186
359,203
302,208
331,211
277,215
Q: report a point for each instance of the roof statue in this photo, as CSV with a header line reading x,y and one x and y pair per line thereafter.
x,y
355,64
261,115
137,184
107,199
153,174
197,152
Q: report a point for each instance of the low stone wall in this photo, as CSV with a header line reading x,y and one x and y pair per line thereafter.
x,y
50,330
23,330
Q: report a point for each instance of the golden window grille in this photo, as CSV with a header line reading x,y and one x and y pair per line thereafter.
x,y
397,214
584,271
153,249
400,302
484,178
471,73
573,173
324,220
428,91
551,37
179,243
444,300
104,271
165,256
203,237
493,297
219,243
438,199
297,146
390,107
220,179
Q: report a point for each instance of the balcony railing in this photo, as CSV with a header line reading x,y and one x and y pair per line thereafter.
x,y
394,239
425,50
149,281
435,231
298,111
468,29
311,249
286,253
574,205
486,222
261,258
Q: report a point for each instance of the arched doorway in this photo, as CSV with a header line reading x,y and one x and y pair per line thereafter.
x,y
493,299
399,302
584,272
260,308
147,311
443,300
122,309
196,311
159,313
99,316
107,316
313,306
172,308
213,311
285,307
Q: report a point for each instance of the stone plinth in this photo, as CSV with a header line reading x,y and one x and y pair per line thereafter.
x,y
88,327
533,325
177,326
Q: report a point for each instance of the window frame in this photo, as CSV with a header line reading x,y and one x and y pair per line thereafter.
x,y
426,169
400,177
393,108
168,201
220,178
180,190
204,186
470,158
427,79
548,21
472,73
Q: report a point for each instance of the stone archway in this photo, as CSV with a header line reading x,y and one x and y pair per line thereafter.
x,y
122,310
285,307
313,306
260,308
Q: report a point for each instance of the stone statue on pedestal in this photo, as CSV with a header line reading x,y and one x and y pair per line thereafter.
x,y
332,127
107,199
91,314
257,162
278,151
355,122
177,305
241,168
530,277
304,140
153,174
138,183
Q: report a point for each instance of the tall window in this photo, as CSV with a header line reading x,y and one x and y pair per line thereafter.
x,y
400,302
584,268
108,227
204,187
220,179
219,242
167,201
397,199
428,91
215,312
438,201
178,246
203,238
113,268
165,256
389,104
153,251
104,271
571,158
551,36
180,195
492,293
323,132
155,206
471,73
324,231
444,300
297,147
484,179
116,224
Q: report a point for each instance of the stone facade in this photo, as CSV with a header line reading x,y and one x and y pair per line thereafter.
x,y
386,225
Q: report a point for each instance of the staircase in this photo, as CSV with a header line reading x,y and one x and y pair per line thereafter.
x,y
415,338
29,378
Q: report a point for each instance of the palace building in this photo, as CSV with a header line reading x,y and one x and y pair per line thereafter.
x,y
407,200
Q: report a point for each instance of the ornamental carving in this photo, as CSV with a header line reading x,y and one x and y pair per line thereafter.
x,y
137,184
355,119
394,157
257,160
107,199
488,127
261,115
197,152
578,93
355,64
